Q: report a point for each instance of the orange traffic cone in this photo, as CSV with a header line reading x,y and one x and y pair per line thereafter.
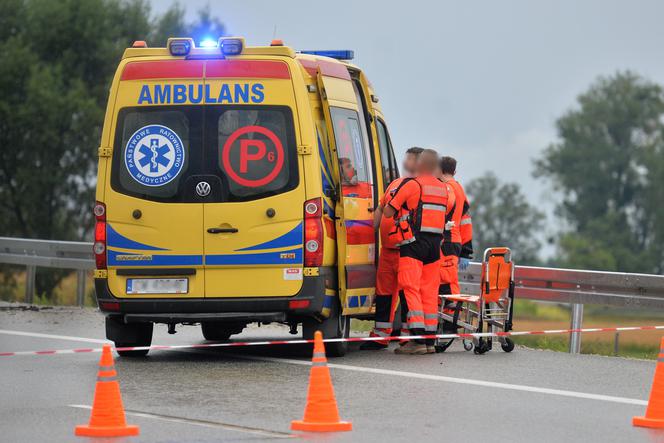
x,y
320,413
654,417
108,417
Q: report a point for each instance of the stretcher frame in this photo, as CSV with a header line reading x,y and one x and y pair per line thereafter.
x,y
493,309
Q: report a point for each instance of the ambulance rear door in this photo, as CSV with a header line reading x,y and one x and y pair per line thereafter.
x,y
154,220
354,209
253,216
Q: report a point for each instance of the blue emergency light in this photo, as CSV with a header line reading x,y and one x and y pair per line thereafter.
x,y
339,54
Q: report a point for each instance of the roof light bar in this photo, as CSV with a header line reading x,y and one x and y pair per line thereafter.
x,y
339,54
180,46
231,45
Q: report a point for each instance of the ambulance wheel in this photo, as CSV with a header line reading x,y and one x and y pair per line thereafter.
x,y
467,345
335,326
220,331
508,346
129,335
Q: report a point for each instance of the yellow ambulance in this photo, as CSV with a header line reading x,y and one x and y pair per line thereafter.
x,y
236,185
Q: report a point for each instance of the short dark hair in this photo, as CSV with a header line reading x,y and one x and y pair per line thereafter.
x,y
448,165
415,150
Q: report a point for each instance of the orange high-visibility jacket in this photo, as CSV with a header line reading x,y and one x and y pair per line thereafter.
x,y
462,232
423,204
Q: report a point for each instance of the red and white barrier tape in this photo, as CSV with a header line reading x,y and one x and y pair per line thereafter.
x,y
336,340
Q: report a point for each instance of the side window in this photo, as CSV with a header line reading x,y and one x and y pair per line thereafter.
x,y
387,160
153,151
353,166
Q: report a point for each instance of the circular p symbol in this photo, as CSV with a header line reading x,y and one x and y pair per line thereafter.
x,y
253,151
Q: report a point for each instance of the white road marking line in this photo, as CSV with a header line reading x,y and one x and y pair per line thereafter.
x,y
204,423
53,337
465,381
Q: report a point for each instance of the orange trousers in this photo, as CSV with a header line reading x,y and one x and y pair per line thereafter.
x,y
420,286
387,292
449,275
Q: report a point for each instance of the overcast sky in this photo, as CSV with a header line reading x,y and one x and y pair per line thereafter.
x,y
483,81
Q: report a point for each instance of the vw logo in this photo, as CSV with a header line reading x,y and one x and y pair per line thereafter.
x,y
203,189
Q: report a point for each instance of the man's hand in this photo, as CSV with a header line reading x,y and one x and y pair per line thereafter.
x,y
449,225
463,263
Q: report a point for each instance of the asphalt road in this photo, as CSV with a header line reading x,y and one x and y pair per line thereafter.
x,y
253,394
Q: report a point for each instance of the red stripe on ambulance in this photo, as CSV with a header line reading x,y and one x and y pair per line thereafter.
x,y
164,69
246,69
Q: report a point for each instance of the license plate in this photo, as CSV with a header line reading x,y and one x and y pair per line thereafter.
x,y
157,285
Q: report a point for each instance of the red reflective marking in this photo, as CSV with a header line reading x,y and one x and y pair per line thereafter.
x,y
502,334
226,156
163,69
7,354
84,350
246,69
246,156
329,69
278,342
44,352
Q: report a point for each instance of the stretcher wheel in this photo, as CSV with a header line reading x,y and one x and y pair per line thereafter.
x,y
508,346
482,347
467,345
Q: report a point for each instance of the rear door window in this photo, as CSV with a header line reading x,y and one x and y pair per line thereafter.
x,y
253,150
155,151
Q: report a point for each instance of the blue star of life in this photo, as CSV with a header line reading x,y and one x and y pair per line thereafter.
x,y
154,155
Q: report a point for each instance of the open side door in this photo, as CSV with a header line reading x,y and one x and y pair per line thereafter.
x,y
354,200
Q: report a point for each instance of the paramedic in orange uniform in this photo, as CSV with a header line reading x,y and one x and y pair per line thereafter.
x,y
387,288
457,246
422,207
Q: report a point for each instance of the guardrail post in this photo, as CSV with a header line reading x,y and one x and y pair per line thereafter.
x,y
577,323
30,273
80,287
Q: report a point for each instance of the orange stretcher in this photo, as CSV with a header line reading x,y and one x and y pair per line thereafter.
x,y
491,311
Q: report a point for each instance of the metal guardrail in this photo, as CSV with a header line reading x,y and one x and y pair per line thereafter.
x,y
574,287
48,254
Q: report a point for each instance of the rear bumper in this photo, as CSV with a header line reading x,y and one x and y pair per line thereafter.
x,y
245,309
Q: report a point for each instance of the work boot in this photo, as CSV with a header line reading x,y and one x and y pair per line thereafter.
x,y
412,348
372,346
431,349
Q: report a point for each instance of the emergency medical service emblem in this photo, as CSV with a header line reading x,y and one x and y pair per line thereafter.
x,y
154,155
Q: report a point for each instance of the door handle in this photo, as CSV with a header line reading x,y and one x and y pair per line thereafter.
x,y
222,230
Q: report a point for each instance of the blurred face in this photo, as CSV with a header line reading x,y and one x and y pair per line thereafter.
x,y
410,164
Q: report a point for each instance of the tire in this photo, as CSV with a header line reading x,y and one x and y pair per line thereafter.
x,y
482,347
468,345
335,326
219,331
129,335
508,346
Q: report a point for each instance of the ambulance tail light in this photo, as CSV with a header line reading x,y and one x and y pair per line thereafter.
x,y
231,45
180,46
313,233
99,247
339,54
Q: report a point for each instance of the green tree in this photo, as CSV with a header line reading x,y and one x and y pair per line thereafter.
x,y
502,217
609,166
57,59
